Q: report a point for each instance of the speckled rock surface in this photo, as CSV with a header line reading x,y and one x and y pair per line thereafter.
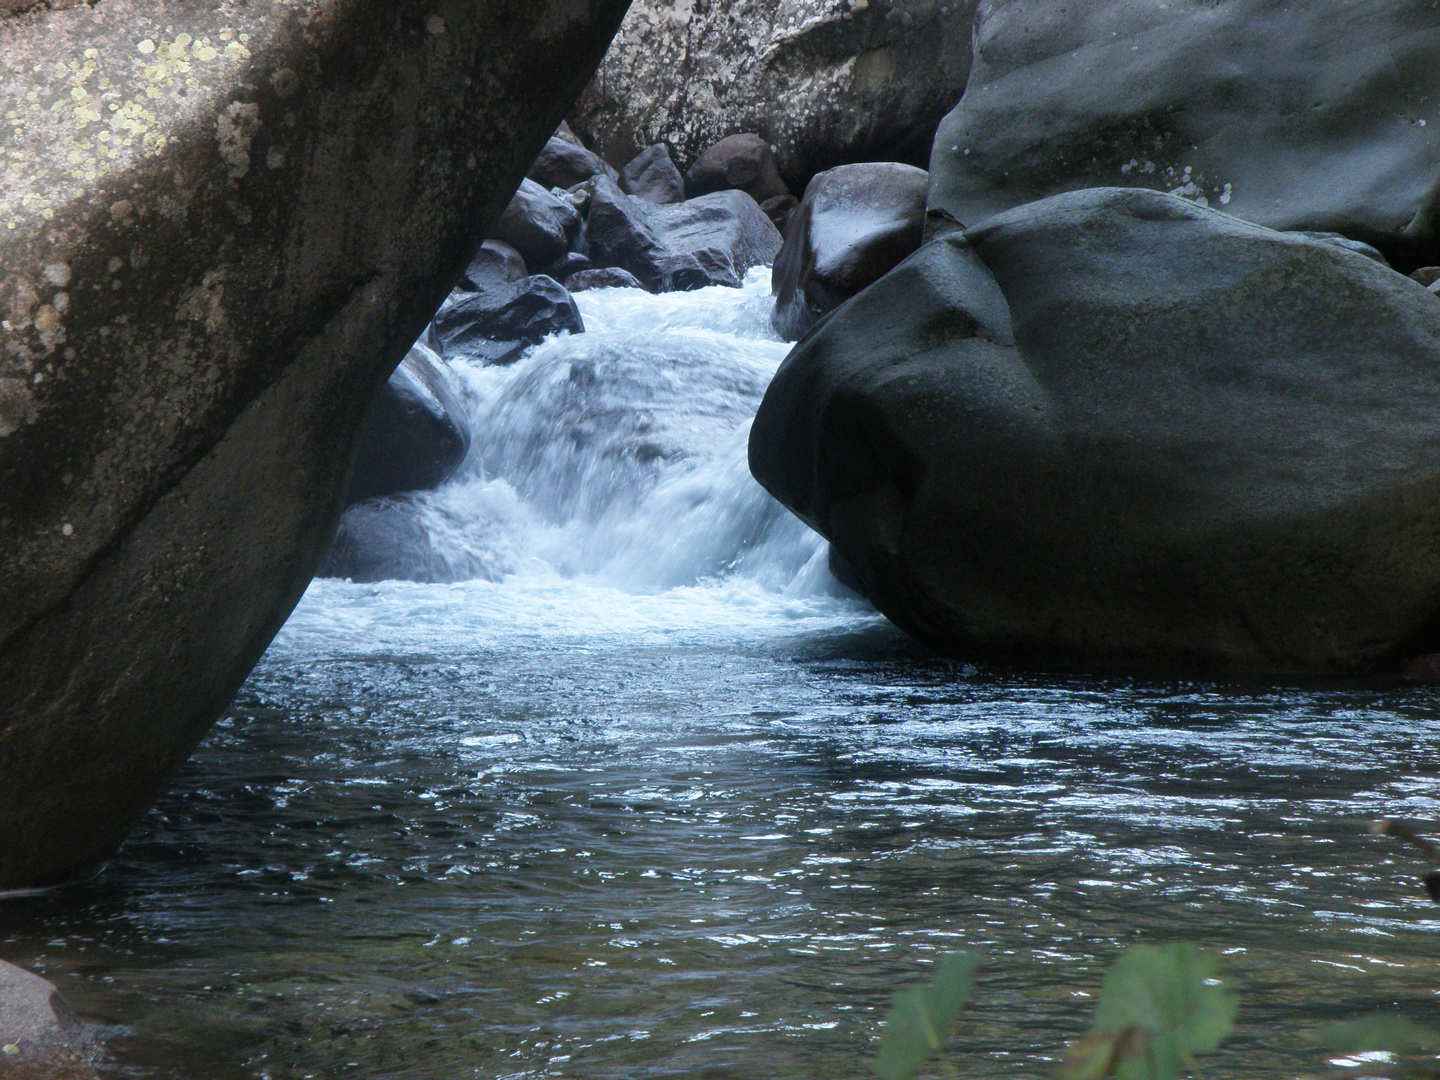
x,y
1320,115
46,1040
221,226
825,82
1113,427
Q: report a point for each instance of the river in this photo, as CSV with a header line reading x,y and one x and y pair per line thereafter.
x,y
645,793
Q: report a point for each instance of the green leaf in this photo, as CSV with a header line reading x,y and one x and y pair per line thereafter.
x,y
1380,1031
1159,1006
919,1019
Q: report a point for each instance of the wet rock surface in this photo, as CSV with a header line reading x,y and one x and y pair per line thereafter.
x,y
855,224
1295,116
564,163
496,263
608,277
42,1037
652,176
826,82
537,225
497,324
711,240
743,162
197,315
1114,427
416,434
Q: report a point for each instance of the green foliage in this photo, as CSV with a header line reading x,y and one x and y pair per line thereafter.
x,y
1159,1007
919,1020
1380,1031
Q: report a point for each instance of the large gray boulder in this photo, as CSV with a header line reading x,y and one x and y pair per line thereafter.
x,y
1296,116
855,223
1116,427
221,227
823,81
712,240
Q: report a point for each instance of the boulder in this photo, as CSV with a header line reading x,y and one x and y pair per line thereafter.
x,y
572,262
1119,428
417,433
43,1039
497,324
855,224
825,82
743,162
536,224
1294,116
564,163
778,209
403,539
221,228
712,240
607,277
495,263
652,176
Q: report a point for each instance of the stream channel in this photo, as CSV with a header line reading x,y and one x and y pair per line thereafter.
x,y
644,793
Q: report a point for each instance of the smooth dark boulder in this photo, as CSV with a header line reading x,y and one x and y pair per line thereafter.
x,y
824,83
572,262
536,224
1118,428
1295,116
401,538
197,316
743,162
493,264
778,209
605,277
652,176
42,1038
496,325
855,224
564,163
416,434
712,240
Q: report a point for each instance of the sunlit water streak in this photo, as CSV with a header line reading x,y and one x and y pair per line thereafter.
x,y
660,801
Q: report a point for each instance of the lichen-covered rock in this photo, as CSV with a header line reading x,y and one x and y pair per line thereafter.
x,y
855,224
416,434
1115,427
1295,116
825,82
498,323
221,227
712,240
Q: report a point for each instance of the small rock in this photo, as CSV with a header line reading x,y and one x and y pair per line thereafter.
x,y
778,209
494,264
572,262
417,433
535,224
744,162
605,277
563,164
496,325
1426,275
652,176
855,224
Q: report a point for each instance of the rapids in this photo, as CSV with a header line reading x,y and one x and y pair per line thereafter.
x,y
637,790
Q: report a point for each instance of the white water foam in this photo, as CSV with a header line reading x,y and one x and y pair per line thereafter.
x,y
607,492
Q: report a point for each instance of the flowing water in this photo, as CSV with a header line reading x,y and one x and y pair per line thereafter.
x,y
644,793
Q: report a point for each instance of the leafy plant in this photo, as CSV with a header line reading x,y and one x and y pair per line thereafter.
x,y
920,1018
1160,1005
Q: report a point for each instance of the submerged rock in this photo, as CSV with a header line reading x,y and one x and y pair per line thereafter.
x,y
1116,427
497,324
196,319
1295,116
417,433
402,539
855,224
712,240
825,82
